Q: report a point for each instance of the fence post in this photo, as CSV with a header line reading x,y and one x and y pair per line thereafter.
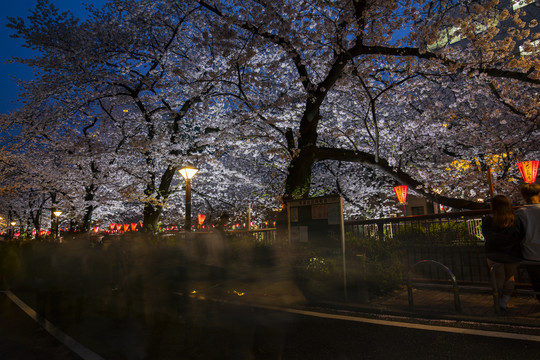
x,y
410,295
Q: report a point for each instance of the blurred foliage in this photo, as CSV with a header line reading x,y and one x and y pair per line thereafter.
x,y
376,265
133,269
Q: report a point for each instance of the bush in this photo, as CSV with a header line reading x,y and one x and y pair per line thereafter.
x,y
375,265
319,275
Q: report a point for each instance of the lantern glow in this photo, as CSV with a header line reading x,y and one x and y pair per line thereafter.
x,y
528,170
201,218
401,193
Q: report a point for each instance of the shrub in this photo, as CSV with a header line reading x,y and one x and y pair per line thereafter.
x,y
375,265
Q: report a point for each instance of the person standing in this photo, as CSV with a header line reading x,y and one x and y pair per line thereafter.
x,y
503,234
529,215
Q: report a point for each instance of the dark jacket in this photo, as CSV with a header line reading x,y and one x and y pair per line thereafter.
x,y
502,245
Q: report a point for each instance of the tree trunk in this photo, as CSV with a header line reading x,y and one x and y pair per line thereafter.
x,y
89,210
36,222
54,225
151,215
152,210
298,180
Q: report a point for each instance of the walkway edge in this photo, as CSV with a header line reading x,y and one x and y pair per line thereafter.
x,y
464,331
65,339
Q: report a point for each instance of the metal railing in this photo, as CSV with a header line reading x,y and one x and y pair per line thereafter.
x,y
430,228
450,276
453,239
266,235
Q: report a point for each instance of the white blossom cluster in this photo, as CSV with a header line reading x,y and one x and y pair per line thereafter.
x,y
270,100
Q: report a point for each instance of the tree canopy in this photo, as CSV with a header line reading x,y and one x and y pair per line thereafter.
x,y
271,100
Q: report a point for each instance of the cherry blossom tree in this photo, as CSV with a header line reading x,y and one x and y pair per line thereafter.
x,y
274,100
136,70
358,88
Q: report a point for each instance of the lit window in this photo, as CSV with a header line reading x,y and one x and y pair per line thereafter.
x,y
453,35
446,37
535,48
516,4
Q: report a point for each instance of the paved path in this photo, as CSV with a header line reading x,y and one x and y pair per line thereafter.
x,y
22,338
523,310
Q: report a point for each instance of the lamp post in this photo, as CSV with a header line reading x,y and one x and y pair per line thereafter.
x,y
188,173
401,193
13,223
57,213
528,170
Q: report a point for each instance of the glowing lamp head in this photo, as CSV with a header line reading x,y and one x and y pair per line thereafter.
x,y
528,170
13,223
57,213
401,193
188,172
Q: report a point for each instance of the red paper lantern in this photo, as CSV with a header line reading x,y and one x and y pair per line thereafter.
x,y
113,225
528,170
133,226
201,218
401,193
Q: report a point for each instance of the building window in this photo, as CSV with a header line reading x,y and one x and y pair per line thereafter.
x,y
516,4
455,34
535,48
417,210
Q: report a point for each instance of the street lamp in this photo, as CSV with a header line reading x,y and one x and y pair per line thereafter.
x,y
528,170
57,213
13,223
188,173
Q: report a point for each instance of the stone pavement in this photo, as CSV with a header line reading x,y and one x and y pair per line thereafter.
x,y
433,304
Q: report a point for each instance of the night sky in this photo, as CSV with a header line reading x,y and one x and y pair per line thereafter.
x,y
14,47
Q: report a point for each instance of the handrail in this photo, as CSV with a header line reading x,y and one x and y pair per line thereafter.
x,y
457,302
449,215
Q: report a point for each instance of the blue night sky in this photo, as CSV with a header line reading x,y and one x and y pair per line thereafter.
x,y
14,47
